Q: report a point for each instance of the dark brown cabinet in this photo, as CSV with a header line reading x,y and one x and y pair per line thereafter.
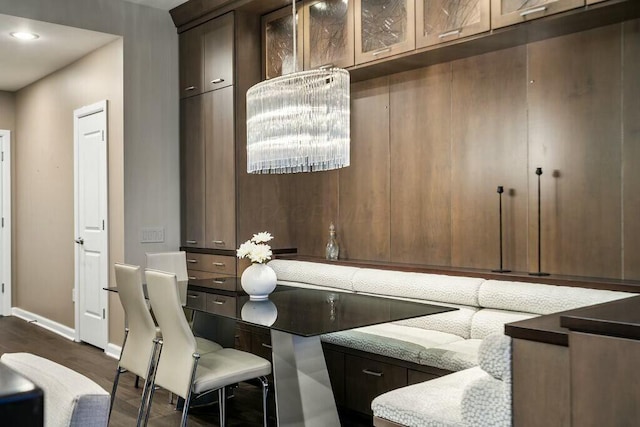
x,y
439,21
508,12
217,36
192,170
277,40
365,379
191,62
328,34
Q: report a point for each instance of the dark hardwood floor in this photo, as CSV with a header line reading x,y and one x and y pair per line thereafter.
x,y
243,409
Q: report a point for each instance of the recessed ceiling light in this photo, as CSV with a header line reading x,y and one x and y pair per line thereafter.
x,y
23,35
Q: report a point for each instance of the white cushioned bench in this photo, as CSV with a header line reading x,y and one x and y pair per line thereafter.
x,y
448,341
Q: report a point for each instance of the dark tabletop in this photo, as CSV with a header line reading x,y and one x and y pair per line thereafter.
x,y
310,312
617,318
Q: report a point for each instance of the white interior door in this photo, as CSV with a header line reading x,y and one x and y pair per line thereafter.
x,y
91,212
5,222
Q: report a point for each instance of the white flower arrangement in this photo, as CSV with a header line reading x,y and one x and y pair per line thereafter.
x,y
256,248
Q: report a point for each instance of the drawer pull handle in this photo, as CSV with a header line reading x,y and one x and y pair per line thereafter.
x,y
449,33
218,242
219,281
326,66
192,261
373,373
192,242
265,345
219,264
192,296
218,302
189,88
216,81
381,51
193,278
534,10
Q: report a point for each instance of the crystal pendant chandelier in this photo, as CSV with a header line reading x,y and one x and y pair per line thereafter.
x,y
299,122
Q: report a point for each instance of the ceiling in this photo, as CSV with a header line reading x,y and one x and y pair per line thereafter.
x,y
26,62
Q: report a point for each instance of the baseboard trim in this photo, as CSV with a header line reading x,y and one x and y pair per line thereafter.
x,y
113,351
43,322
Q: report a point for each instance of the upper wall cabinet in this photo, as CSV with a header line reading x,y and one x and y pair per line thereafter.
x,y
383,28
191,62
508,12
217,38
277,39
594,1
439,21
328,34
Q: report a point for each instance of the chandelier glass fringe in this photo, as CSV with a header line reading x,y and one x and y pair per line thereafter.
x,y
299,122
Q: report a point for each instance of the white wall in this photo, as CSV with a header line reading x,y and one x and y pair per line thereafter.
x,y
151,115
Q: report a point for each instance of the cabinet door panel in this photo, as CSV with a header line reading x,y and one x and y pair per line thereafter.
x,y
220,222
190,62
440,21
328,34
218,52
383,28
508,12
365,379
192,170
277,39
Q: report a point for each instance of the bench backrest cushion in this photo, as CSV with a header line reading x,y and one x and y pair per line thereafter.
x,y
423,286
313,273
541,299
456,322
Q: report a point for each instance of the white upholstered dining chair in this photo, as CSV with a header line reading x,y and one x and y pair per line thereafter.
x,y
172,262
184,371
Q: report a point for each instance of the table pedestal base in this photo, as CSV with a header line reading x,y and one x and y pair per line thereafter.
x,y
303,391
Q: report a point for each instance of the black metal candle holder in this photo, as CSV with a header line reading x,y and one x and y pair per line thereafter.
x,y
539,272
500,191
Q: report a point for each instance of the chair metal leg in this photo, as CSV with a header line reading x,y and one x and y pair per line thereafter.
x,y
187,400
137,383
265,392
149,384
118,372
222,403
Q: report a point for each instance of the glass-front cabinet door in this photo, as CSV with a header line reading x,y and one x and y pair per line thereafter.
x,y
439,21
383,28
328,34
277,39
508,12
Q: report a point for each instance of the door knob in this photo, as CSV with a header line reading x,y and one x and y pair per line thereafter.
x,y
80,241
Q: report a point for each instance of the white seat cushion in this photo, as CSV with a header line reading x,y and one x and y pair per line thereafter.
x,y
434,403
388,339
205,346
454,356
228,366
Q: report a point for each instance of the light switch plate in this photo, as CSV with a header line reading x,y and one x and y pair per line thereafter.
x,y
152,235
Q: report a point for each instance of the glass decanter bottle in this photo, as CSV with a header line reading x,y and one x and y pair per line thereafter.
x,y
333,249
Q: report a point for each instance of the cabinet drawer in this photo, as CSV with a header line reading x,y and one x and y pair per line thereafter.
x,y
261,345
211,263
196,300
221,304
242,339
214,280
365,379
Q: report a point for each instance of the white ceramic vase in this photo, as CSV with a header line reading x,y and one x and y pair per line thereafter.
x,y
258,280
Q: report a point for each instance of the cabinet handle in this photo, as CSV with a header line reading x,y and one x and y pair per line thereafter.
x,y
265,345
192,296
534,10
218,242
193,278
449,33
216,81
218,281
218,302
192,261
374,373
219,264
378,52
190,88
192,242
326,66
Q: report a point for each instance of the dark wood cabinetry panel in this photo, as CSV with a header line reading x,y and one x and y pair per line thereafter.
x,y
218,52
489,148
574,135
631,149
508,12
420,141
364,186
315,207
192,171
365,379
277,39
439,21
191,62
328,33
336,369
220,222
